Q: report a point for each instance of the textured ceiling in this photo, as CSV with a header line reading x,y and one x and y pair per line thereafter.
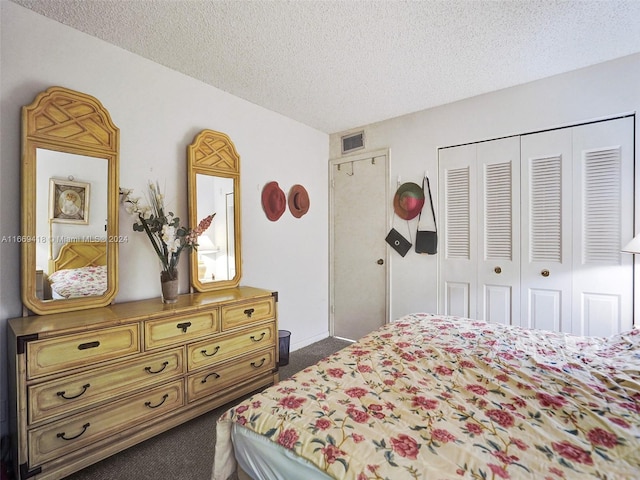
x,y
335,65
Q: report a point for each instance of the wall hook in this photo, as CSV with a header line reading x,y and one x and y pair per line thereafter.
x,y
349,174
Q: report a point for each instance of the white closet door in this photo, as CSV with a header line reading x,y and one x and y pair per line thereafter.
x,y
546,242
498,197
532,228
602,222
458,233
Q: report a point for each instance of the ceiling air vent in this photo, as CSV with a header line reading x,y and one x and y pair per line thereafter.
x,y
353,141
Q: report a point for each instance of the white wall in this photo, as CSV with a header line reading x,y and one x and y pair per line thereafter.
x,y
159,111
602,90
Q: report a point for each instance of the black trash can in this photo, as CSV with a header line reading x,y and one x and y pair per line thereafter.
x,y
284,341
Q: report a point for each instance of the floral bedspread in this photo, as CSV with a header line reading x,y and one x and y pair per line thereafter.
x,y
435,397
79,282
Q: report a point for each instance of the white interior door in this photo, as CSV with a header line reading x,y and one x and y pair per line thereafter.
x,y
480,268
459,265
499,230
603,199
359,254
547,277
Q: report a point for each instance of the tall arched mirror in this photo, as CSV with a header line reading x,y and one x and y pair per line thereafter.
x,y
214,187
70,200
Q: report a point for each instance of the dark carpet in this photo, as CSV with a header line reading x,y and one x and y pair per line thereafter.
x,y
186,452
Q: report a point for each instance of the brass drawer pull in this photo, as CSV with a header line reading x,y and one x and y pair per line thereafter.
x,y
249,311
164,365
205,354
84,389
253,364
214,375
253,337
84,429
184,326
85,346
164,398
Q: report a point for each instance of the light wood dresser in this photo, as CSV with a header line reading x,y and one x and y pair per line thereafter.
x,y
87,384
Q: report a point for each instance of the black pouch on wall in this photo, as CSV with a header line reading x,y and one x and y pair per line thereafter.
x,y
398,242
427,240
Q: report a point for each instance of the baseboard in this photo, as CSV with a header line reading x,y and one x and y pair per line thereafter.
x,y
308,341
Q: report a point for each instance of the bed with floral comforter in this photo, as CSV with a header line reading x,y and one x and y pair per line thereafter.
x,y
436,397
79,282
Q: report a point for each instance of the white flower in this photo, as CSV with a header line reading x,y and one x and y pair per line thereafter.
x,y
174,245
168,235
145,212
124,194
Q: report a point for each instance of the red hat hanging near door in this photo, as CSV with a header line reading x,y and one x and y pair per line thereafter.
x,y
274,202
408,200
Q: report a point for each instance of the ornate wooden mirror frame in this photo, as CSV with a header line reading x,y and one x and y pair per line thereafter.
x,y
68,126
214,187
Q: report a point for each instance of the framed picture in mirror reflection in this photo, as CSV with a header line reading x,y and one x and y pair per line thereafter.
x,y
69,201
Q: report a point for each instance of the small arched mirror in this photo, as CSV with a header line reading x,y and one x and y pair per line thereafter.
x,y
214,187
69,203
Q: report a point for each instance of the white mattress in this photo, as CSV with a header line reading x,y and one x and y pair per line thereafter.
x,y
263,459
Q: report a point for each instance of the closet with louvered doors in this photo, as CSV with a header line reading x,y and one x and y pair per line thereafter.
x,y
544,251
479,266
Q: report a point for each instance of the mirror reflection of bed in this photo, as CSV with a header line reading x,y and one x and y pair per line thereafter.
x,y
79,270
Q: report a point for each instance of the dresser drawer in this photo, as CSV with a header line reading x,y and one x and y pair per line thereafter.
x,y
216,350
59,438
210,381
247,313
68,394
58,354
179,329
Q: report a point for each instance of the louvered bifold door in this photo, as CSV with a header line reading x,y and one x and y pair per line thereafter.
x,y
546,230
458,231
498,198
603,223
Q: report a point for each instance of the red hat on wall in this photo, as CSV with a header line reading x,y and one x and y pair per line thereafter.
x,y
298,201
274,202
408,200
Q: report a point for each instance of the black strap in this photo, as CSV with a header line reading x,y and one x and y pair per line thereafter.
x,y
430,202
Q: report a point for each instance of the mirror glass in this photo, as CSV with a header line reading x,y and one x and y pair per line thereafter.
x,y
214,183
216,248
71,208
69,203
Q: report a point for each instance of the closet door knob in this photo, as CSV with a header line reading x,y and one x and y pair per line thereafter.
x,y
545,273
498,270
380,261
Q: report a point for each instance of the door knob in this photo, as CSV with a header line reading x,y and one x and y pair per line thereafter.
x,y
380,261
545,273
498,270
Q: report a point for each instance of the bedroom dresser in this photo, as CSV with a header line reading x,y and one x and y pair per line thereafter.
x,y
88,384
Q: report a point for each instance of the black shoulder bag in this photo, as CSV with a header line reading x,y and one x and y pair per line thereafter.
x,y
427,240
